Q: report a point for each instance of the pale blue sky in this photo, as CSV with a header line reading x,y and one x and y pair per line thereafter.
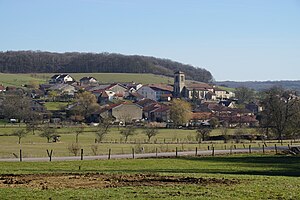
x,y
234,39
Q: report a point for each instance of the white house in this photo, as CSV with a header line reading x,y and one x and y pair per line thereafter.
x,y
61,78
156,92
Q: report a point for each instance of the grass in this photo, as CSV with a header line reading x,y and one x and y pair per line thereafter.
x,y
259,176
166,141
19,80
53,106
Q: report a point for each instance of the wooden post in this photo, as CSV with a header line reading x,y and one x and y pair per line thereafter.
x,y
249,148
81,154
234,146
244,146
213,151
20,155
207,147
275,148
225,146
133,153
263,148
50,154
109,153
265,144
289,146
196,151
176,152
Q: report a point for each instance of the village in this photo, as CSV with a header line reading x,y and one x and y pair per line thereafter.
x,y
131,102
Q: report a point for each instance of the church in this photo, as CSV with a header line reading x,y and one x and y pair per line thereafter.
x,y
196,90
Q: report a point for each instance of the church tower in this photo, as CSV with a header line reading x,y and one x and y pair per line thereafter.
x,y
179,83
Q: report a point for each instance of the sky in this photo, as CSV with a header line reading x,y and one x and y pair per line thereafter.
x,y
233,39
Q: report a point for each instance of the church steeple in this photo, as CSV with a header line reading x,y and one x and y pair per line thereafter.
x,y
179,83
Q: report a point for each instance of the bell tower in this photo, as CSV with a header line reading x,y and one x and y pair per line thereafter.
x,y
179,83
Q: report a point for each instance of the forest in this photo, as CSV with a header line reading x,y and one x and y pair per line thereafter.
x,y
75,62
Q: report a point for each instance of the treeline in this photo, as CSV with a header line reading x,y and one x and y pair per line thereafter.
x,y
74,62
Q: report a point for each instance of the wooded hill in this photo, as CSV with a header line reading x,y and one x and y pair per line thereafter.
x,y
74,62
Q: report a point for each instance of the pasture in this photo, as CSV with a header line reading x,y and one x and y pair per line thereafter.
x,y
19,80
167,140
223,177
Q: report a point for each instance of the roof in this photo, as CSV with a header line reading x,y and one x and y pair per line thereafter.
x,y
86,78
145,102
198,86
164,87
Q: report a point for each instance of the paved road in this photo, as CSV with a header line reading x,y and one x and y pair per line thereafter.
x,y
146,155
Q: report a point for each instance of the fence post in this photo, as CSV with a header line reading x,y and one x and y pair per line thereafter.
x,y
289,146
275,148
196,151
207,147
20,155
213,151
50,154
133,153
176,152
81,154
109,152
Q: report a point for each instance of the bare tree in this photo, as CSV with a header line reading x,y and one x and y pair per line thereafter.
x,y
103,128
78,131
150,132
48,133
128,131
74,148
202,133
224,132
20,133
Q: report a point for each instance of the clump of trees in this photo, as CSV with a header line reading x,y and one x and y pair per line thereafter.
x,y
281,113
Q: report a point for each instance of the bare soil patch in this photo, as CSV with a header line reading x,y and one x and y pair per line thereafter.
x,y
100,180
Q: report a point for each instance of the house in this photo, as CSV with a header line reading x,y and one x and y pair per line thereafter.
x,y
61,78
117,88
132,86
88,80
63,89
223,94
122,113
156,92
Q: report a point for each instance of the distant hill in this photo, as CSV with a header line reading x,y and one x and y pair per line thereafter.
x,y
262,85
74,62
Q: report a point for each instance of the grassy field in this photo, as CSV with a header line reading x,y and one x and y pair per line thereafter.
x,y
167,140
246,177
22,79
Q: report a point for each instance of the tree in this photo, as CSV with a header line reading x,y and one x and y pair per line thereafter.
x,y
281,111
180,112
53,95
103,128
48,133
20,133
238,133
78,131
86,104
224,132
214,122
127,131
202,133
16,107
244,95
74,148
150,132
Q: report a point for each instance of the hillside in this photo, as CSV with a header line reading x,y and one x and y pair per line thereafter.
x,y
23,79
47,62
262,85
